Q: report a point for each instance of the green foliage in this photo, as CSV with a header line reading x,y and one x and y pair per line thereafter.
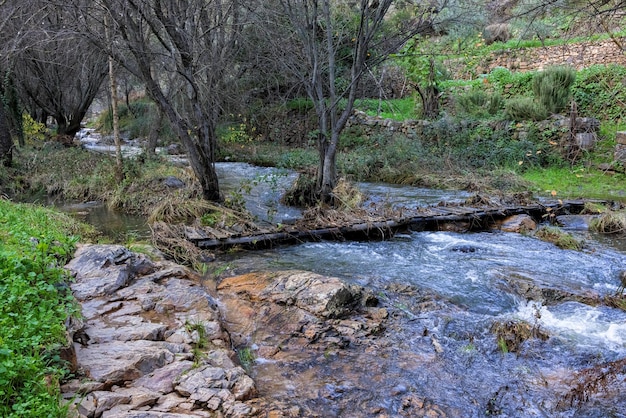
x,y
478,103
552,87
33,130
246,358
396,109
525,108
600,91
34,304
234,134
510,84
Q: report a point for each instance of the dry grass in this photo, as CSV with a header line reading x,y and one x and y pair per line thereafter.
x,y
609,223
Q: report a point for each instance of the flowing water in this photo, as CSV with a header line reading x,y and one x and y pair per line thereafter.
x,y
449,290
447,293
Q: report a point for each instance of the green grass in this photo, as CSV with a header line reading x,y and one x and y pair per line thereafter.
x,y
575,182
34,305
396,109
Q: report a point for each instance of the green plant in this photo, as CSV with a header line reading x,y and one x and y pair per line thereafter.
x,y
558,237
34,305
525,108
246,357
552,87
504,348
478,103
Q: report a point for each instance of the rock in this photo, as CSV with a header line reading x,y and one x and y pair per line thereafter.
x,y
162,379
318,295
130,305
174,149
517,223
118,362
173,182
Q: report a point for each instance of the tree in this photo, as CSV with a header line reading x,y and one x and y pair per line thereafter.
x,y
191,44
56,72
6,143
328,47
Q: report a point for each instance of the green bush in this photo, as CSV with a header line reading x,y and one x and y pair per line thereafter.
x,y
510,84
552,87
600,91
480,104
525,108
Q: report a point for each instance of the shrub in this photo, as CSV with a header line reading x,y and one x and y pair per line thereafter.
x,y
511,84
552,87
525,108
480,104
600,91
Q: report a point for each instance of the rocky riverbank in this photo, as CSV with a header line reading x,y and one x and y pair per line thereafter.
x,y
151,341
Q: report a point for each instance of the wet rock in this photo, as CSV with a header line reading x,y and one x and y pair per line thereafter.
x,y
575,222
518,224
318,295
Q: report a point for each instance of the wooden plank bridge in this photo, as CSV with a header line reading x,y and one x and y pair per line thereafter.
x,y
431,218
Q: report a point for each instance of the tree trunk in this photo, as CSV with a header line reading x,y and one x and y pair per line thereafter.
x,y
68,127
6,143
119,168
155,132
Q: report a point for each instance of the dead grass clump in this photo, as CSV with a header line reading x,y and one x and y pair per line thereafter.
x,y
558,237
347,196
302,193
609,223
511,334
602,380
170,240
591,208
175,210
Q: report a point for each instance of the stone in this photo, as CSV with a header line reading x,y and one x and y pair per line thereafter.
x,y
620,153
518,223
586,140
117,362
162,380
144,331
620,137
173,182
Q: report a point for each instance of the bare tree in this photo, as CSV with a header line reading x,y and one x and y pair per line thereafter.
x,y
328,46
57,72
191,44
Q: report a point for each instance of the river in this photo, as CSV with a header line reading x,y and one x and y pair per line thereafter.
x,y
447,294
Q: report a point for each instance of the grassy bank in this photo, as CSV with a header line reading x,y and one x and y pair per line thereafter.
x,y
34,305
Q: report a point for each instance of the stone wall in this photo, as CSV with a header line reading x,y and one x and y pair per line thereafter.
x,y
579,55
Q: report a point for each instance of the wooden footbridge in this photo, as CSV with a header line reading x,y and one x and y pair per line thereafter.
x,y
430,218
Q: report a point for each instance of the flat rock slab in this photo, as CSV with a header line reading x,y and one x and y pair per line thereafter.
x,y
135,346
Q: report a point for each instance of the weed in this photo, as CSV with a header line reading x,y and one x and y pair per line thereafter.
x,y
558,237
246,357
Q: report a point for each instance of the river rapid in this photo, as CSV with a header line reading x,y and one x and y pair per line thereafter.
x,y
481,324
455,344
